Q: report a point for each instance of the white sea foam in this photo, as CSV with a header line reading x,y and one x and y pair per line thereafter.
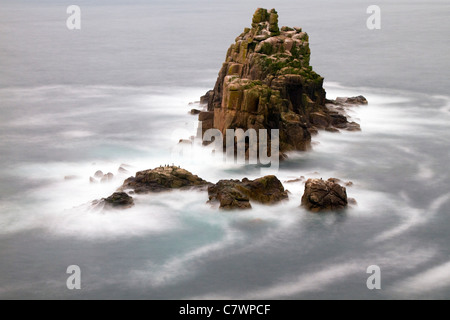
x,y
423,283
372,159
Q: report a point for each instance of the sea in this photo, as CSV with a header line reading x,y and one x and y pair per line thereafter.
x,y
117,93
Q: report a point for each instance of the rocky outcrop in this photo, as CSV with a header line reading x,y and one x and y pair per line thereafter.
x,y
162,179
319,195
267,82
236,194
119,200
229,195
359,100
324,195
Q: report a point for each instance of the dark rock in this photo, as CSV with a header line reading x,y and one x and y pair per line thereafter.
x,y
321,195
338,120
313,131
359,100
319,120
206,115
335,180
267,190
119,200
207,119
353,126
195,111
163,179
356,100
228,195
205,99
235,194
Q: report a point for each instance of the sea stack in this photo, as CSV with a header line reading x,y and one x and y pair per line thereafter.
x,y
267,82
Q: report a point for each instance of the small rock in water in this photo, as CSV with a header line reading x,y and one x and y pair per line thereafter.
x,y
70,177
163,178
353,126
92,180
359,100
335,180
235,194
119,200
302,178
185,141
321,195
195,111
123,170
107,177
98,174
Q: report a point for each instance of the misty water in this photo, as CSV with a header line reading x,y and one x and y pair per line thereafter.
x,y
118,91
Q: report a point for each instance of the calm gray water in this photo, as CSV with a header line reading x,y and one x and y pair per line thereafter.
x,y
118,91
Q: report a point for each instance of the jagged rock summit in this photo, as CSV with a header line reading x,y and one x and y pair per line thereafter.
x,y
266,82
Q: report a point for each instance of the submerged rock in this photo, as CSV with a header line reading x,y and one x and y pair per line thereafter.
x,y
300,179
163,179
107,177
119,200
185,142
98,174
123,170
235,194
359,100
321,195
267,82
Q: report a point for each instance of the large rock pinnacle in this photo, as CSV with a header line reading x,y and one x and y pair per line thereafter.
x,y
266,82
